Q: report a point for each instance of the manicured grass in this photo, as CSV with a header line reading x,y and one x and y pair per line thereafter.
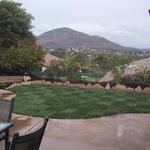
x,y
65,102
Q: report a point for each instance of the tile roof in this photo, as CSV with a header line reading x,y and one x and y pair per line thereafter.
x,y
48,58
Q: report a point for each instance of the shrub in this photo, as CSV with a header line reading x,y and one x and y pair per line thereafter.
x,y
20,60
54,70
141,78
2,84
118,73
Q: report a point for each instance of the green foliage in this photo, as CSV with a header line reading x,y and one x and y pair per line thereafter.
x,y
2,83
59,53
142,78
108,62
20,60
118,73
69,68
15,25
55,70
72,66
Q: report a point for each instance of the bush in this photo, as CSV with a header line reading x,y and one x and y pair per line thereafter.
x,y
118,73
108,62
20,60
139,79
54,70
2,84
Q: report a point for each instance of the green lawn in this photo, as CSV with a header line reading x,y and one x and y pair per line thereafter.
x,y
65,102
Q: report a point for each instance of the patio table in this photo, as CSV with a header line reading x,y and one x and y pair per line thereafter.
x,y
4,128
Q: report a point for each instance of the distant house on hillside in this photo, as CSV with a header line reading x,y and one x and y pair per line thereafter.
x,y
48,58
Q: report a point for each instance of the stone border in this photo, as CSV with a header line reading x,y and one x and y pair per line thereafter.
x,y
118,87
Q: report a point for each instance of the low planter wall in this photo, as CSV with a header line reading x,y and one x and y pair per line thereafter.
x,y
118,87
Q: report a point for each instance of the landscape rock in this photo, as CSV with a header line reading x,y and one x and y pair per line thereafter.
x,y
138,89
47,83
97,86
107,86
89,86
120,87
36,82
26,83
146,90
58,83
67,84
129,89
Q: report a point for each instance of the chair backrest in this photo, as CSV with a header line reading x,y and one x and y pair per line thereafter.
x,y
6,107
30,141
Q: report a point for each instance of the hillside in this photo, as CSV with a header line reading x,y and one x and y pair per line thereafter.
x,y
68,38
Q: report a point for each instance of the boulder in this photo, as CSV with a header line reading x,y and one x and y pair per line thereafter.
x,y
47,83
67,83
120,87
36,82
97,86
26,83
107,86
77,85
146,90
58,83
89,86
138,89
129,89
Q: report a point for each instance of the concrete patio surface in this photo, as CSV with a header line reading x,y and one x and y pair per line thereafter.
x,y
119,132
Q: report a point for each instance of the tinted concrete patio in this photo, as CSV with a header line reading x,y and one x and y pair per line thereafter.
x,y
120,132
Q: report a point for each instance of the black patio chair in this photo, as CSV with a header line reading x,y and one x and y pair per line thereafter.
x,y
30,141
6,107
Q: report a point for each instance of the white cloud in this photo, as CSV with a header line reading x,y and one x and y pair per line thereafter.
x,y
126,22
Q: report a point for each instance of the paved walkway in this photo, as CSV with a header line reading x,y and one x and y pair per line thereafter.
x,y
120,132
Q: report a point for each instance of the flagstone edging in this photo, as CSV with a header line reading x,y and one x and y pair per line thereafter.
x,y
118,87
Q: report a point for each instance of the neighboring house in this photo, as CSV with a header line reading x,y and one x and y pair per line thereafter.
x,y
48,58
137,66
133,68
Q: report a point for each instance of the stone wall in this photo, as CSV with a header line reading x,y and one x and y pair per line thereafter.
x,y
118,87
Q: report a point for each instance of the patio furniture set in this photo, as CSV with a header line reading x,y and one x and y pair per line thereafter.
x,y
29,141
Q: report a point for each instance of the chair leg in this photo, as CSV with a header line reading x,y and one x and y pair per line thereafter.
x,y
7,140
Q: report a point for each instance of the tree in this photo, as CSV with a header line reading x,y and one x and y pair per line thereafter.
x,y
20,60
15,25
54,70
72,65
108,62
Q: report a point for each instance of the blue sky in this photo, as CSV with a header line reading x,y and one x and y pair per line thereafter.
x,y
125,22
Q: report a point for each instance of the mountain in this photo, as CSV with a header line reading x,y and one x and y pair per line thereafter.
x,y
68,38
